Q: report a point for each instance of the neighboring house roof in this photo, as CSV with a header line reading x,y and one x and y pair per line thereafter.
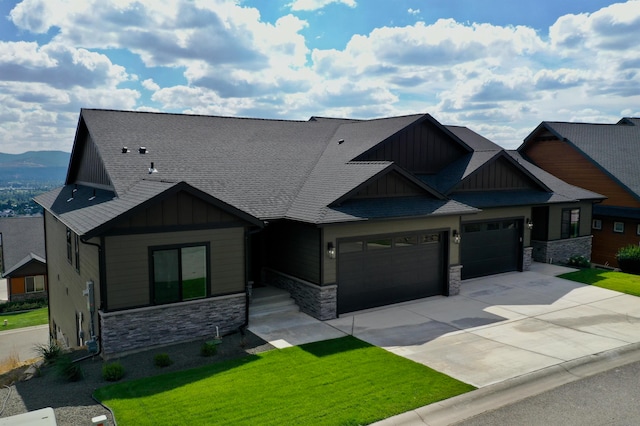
x,y
22,241
614,148
260,170
29,259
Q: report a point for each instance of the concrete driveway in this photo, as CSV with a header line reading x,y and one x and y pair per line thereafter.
x,y
503,326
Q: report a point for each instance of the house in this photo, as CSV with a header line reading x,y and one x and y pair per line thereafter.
x,y
601,158
166,221
23,260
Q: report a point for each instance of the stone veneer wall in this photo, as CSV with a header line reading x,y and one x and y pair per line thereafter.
x,y
21,297
526,258
320,302
559,251
455,279
139,329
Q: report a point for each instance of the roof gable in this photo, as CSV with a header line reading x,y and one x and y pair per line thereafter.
x,y
21,237
85,165
499,173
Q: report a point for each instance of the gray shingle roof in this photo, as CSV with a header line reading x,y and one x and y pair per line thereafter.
x,y
22,237
615,148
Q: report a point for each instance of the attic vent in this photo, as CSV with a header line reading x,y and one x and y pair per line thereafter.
x,y
142,150
125,149
340,141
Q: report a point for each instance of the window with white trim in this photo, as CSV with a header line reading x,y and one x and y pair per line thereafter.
x,y
618,227
34,284
596,224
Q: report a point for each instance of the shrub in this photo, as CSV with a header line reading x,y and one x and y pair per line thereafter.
x,y
579,261
209,348
25,305
67,369
112,372
49,352
629,259
162,360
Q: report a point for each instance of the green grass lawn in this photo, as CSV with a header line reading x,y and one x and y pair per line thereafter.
x,y
25,319
618,281
337,382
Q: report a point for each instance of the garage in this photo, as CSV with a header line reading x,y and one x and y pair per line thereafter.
x,y
382,270
491,247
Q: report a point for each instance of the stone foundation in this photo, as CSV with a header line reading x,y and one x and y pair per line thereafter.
x,y
455,280
21,297
139,329
320,302
559,251
527,253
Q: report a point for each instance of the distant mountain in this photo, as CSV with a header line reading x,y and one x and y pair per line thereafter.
x,y
34,167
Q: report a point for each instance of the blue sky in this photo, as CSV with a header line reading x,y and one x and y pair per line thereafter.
x,y
499,67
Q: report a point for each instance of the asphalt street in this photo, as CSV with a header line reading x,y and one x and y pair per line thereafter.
x,y
22,341
610,398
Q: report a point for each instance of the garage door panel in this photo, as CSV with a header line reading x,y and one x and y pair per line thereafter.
x,y
382,274
490,248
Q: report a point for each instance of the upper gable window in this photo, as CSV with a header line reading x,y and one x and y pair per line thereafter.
x,y
570,226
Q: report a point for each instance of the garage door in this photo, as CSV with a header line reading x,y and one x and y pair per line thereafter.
x,y
377,271
490,247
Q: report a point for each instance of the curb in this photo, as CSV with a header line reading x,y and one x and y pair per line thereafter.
x,y
494,396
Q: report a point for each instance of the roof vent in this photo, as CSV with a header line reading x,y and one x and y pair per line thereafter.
x,y
125,149
142,150
93,196
152,169
340,141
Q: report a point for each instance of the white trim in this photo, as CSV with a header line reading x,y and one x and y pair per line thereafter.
x,y
596,224
616,229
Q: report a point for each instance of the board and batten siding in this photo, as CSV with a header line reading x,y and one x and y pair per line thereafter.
x,y
66,285
500,174
565,162
421,148
294,249
332,233
127,263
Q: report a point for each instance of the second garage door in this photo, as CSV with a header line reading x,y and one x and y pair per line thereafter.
x,y
491,247
381,270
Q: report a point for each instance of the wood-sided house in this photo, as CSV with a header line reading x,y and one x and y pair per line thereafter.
x,y
22,257
602,158
165,220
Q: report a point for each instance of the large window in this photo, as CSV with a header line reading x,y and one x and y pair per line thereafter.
x,y
69,245
34,284
570,227
179,273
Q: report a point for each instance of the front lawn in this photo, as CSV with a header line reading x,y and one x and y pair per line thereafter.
x,y
336,382
618,281
24,319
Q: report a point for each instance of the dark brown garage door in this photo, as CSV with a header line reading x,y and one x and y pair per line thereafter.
x,y
377,271
491,247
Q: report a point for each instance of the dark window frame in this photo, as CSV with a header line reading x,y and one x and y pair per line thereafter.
x,y
178,248
569,228
69,251
76,254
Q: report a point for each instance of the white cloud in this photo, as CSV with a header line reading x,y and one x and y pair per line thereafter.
x,y
413,12
310,5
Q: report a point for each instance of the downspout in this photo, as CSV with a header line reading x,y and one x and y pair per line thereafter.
x,y
247,266
101,278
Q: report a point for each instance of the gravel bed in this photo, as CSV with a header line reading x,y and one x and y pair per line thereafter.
x,y
72,401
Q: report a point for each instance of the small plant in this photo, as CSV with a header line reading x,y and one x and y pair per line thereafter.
x,y
113,371
162,360
49,352
67,369
629,259
579,261
209,348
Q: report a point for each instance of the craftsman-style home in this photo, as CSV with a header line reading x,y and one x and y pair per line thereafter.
x,y
602,158
166,221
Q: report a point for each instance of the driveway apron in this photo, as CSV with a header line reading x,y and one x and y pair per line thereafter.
x,y
502,326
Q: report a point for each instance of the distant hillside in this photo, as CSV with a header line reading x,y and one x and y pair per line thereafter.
x,y
34,166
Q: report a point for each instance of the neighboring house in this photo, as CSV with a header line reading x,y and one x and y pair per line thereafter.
x,y
166,220
602,158
23,257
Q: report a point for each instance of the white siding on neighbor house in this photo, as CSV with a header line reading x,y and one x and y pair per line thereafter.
x,y
127,263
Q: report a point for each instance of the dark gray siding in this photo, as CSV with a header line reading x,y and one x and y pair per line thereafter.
x,y
391,184
499,174
294,249
90,167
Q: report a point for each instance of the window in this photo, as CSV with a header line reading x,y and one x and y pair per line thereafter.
x,y
638,229
69,245
350,246
34,284
596,224
618,227
406,241
76,241
570,227
179,273
383,243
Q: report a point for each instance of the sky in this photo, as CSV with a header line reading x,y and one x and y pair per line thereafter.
x,y
499,67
